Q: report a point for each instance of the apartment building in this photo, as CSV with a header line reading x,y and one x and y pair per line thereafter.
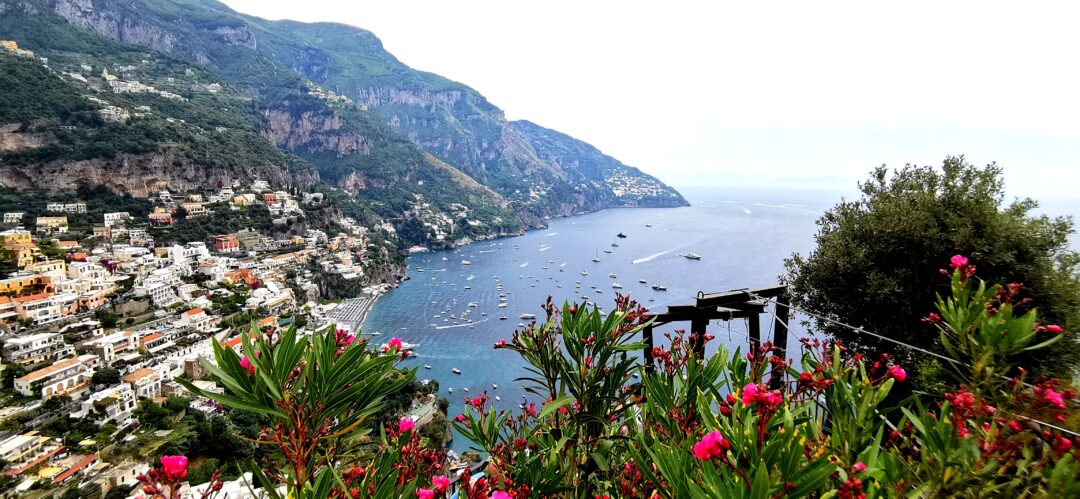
x,y
68,377
145,382
35,349
23,452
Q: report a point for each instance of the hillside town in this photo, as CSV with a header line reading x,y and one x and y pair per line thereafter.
x,y
97,322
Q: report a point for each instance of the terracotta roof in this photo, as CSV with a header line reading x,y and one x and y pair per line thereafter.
x,y
137,375
194,311
268,321
49,371
149,338
35,297
75,469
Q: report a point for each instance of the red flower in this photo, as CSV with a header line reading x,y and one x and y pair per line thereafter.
x,y
175,467
896,372
1014,426
1053,328
425,494
406,424
501,343
806,378
1062,444
958,261
711,446
498,494
859,467
460,418
395,343
1053,398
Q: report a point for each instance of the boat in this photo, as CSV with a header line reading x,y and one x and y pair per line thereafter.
x,y
643,281
607,251
427,366
483,314
466,390
599,291
466,288
521,324
456,370
472,304
597,257
498,398
466,262
648,225
614,245
406,346
419,269
612,275
527,316
502,304
616,285
621,235
584,273
659,287
444,259
692,256
502,317
495,386
449,390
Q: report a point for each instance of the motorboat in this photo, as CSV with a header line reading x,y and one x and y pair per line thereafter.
x,y
620,235
427,366
613,276
527,316
466,262
659,287
456,370
643,281
616,285
690,255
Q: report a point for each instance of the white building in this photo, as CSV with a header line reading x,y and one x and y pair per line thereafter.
x,y
145,382
111,405
116,218
68,377
13,217
36,348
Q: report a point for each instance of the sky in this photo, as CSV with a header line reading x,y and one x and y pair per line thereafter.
x,y
773,93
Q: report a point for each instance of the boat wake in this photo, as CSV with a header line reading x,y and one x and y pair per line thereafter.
x,y
651,257
549,234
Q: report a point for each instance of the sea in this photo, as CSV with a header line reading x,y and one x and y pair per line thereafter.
x,y
450,308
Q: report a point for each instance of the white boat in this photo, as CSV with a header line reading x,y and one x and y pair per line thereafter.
x,y
607,251
648,225
659,287
690,255
597,257
643,281
449,390
502,304
427,366
503,317
404,346
419,269
472,304
466,262
527,316
616,285
456,370
498,398
466,390
495,386
613,276
521,324
584,273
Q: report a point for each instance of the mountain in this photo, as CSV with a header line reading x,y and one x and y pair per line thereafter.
x,y
526,165
185,127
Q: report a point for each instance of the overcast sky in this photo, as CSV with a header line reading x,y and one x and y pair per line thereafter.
x,y
745,92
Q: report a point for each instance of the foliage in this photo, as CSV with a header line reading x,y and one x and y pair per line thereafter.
x,y
857,274
106,376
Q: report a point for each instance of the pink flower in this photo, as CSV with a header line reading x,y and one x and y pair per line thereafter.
x,y
1062,444
406,424
498,494
1054,398
1014,426
246,364
859,467
460,418
425,494
749,393
1053,328
440,483
711,446
175,467
395,343
898,373
773,398
501,343
349,339
958,261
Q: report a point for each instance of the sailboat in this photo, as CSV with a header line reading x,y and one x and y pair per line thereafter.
x,y
597,257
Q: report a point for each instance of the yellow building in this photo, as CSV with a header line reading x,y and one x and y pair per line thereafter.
x,y
18,244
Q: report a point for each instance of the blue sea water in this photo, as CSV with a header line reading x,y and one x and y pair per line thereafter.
x,y
742,235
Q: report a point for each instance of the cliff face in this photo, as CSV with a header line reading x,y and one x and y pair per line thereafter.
x,y
146,174
314,131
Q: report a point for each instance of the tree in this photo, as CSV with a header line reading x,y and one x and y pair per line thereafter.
x,y
106,376
878,258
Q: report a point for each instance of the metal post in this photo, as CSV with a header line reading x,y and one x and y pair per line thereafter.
x,y
697,336
646,335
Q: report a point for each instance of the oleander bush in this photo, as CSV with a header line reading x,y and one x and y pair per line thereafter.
x,y
754,424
